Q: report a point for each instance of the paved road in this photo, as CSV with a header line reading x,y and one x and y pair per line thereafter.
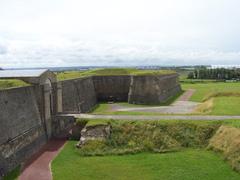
x,y
38,167
159,117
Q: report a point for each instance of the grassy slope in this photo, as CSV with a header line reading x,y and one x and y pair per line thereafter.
x,y
4,84
109,72
222,105
187,164
204,89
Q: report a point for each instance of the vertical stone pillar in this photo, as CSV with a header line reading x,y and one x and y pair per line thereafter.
x,y
47,109
59,98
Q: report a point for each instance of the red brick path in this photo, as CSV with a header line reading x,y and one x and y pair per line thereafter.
x,y
38,167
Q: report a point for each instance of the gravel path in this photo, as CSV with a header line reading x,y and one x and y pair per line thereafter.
x,y
180,106
159,117
38,167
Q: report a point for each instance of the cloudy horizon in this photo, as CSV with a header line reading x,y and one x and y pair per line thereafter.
x,y
118,33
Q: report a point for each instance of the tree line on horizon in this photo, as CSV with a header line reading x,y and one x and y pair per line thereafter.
x,y
218,74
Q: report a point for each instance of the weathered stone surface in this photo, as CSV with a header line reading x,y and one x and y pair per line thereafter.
x,y
19,112
21,147
111,88
97,132
153,89
78,95
62,125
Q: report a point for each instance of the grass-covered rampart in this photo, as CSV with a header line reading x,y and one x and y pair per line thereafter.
x,y
110,72
10,83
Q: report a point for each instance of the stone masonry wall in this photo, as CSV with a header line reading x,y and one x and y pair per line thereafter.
x,y
78,95
112,88
21,129
153,89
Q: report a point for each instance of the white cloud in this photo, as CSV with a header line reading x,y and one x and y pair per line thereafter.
x,y
76,53
118,32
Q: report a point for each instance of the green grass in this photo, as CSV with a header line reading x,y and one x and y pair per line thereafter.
x,y
4,83
189,164
205,89
110,71
105,108
225,96
226,106
13,175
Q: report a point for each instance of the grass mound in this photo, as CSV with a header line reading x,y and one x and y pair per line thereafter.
x,y
133,137
220,103
221,94
227,141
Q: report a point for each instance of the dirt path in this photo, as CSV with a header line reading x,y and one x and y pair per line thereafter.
x,y
159,117
186,95
38,167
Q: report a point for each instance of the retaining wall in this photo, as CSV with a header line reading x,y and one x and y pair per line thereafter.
x,y
21,128
112,88
78,95
153,89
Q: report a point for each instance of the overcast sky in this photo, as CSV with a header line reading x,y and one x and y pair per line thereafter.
x,y
36,33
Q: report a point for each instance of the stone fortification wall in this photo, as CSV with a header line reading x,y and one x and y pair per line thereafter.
x,y
112,88
21,128
153,89
78,95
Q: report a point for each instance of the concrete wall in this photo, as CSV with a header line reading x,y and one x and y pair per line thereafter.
x,y
21,128
78,95
110,88
153,89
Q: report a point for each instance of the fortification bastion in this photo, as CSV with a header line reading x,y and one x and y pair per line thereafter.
x,y
29,116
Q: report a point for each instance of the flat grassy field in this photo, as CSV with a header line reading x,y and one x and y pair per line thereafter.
x,y
189,164
226,106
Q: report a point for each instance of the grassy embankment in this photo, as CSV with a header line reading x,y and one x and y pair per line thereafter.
x,y
136,142
218,98
10,83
